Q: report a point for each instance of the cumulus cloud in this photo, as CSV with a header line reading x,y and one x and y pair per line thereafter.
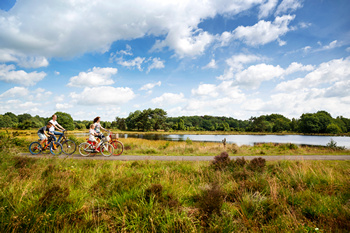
x,y
9,55
10,75
76,27
328,72
104,95
95,77
168,99
288,6
211,65
63,106
255,75
136,62
15,92
205,90
236,63
267,8
156,63
264,31
150,86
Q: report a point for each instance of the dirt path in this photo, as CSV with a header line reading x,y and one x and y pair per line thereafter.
x,y
195,158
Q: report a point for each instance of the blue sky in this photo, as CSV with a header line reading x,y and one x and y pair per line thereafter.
x,y
215,57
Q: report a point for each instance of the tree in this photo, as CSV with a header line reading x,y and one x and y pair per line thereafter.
x,y
309,123
333,129
14,118
5,121
23,117
65,120
159,117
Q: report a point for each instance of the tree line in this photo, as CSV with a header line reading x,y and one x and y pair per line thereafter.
x,y
320,122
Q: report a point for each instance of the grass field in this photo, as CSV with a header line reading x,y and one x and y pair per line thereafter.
x,y
227,194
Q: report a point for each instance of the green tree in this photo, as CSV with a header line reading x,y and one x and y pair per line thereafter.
x,y
333,129
6,121
65,120
309,123
14,118
159,116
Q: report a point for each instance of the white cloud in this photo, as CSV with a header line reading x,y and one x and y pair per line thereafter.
x,y
288,6
236,63
264,31
266,8
63,106
15,92
332,45
327,72
150,86
137,62
255,75
10,75
205,90
95,77
168,99
27,61
70,28
33,62
295,67
157,63
211,65
104,95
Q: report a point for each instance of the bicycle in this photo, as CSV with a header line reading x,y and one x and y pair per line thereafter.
x,y
117,145
68,146
36,148
87,148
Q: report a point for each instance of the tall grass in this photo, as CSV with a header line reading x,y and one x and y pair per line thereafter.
x,y
225,195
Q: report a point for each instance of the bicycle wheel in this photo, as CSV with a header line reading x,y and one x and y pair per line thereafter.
x,y
35,148
118,147
85,149
58,149
69,147
106,149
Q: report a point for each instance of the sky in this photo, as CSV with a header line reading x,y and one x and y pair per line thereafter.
x,y
234,58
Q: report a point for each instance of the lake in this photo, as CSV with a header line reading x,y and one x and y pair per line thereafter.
x,y
248,139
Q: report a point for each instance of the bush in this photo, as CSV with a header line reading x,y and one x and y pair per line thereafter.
x,y
221,161
257,164
210,201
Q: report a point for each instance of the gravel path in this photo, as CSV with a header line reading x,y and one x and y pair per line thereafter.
x,y
194,158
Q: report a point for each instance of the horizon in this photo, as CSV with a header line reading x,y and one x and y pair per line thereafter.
x,y
191,58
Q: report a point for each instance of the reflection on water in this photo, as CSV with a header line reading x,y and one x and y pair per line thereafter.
x,y
244,139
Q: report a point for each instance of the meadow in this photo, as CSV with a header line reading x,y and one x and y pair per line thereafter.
x,y
228,194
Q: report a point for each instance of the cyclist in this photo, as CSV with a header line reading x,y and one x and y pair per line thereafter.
x,y
57,126
44,133
98,127
92,135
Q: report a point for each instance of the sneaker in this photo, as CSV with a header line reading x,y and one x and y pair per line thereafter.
x,y
54,146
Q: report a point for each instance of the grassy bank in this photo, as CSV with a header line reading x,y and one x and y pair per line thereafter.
x,y
54,195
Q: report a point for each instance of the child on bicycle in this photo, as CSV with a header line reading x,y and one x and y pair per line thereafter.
x,y
92,135
44,133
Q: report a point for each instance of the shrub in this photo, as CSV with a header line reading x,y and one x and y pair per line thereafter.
x,y
221,161
257,164
210,201
240,162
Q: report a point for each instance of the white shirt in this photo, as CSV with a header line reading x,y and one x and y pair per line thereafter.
x,y
52,128
92,135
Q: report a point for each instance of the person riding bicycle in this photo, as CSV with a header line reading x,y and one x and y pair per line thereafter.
x,y
57,126
44,133
92,135
98,127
